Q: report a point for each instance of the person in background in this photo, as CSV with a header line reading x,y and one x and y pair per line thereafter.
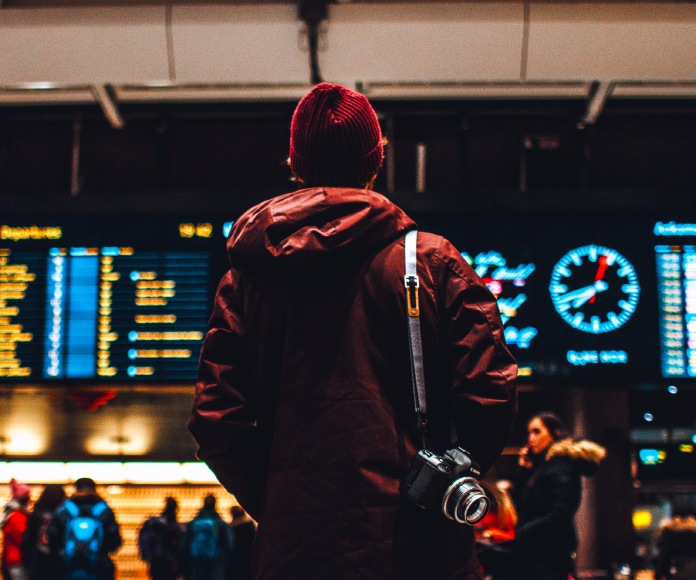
x,y
676,544
547,495
208,545
38,561
498,525
304,405
243,530
14,525
496,531
83,534
159,542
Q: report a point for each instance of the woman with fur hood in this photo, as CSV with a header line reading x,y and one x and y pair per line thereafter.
x,y
547,496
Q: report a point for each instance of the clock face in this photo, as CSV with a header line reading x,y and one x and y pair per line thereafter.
x,y
594,289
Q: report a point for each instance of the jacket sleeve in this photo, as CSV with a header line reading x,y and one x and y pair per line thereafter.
x,y
223,419
483,372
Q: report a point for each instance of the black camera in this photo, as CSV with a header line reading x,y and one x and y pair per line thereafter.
x,y
448,482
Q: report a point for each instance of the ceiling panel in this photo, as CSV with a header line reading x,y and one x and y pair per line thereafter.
x,y
83,45
422,42
642,41
238,44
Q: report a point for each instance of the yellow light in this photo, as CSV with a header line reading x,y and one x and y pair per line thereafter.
x,y
197,472
150,302
641,519
34,472
187,230
155,319
111,472
152,472
108,473
686,448
23,441
524,372
204,230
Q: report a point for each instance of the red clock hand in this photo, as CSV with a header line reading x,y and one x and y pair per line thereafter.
x,y
600,273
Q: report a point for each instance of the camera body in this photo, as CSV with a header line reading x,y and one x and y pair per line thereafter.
x,y
447,482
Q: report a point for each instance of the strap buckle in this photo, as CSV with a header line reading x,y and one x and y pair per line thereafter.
x,y
412,284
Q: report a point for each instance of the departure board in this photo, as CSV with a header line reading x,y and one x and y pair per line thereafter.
x,y
585,298
103,312
676,281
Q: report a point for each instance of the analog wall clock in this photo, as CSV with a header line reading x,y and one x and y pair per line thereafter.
x,y
594,289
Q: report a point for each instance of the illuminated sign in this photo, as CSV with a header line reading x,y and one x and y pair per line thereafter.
x,y
504,281
607,300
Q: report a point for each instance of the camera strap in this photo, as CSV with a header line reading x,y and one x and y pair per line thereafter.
x,y
415,342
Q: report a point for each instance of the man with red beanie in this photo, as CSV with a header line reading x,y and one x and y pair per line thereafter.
x,y
304,405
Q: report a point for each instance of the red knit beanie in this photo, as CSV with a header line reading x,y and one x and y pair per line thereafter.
x,y
335,138
20,491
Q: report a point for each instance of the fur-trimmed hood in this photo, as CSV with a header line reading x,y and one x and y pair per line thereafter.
x,y
681,524
587,454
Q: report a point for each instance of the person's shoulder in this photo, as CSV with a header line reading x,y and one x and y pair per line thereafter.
x,y
438,248
17,516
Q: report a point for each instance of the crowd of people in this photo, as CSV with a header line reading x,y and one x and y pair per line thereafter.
x,y
74,538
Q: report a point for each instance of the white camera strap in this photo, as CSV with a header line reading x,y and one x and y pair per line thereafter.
x,y
415,342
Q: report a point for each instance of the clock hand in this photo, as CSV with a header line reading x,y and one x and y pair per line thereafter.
x,y
586,292
599,286
581,295
600,273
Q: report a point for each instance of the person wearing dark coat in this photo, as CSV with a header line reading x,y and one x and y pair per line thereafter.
x,y
159,542
85,499
304,404
547,495
208,544
38,560
243,531
676,543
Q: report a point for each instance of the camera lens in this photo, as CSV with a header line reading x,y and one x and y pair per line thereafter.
x,y
465,501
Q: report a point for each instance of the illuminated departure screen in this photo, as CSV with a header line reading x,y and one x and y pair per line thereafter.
x,y
101,312
591,298
676,283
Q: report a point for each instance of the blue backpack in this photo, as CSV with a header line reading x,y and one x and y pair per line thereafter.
x,y
204,539
84,535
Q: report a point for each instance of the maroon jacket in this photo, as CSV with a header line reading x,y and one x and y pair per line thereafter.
x,y
304,404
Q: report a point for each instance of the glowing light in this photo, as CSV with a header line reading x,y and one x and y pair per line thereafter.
x,y
651,456
648,417
108,473
641,519
672,390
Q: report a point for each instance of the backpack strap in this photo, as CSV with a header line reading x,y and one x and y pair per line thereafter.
x,y
99,508
71,507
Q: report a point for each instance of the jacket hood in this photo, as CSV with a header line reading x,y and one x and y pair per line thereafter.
x,y
586,454
311,228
